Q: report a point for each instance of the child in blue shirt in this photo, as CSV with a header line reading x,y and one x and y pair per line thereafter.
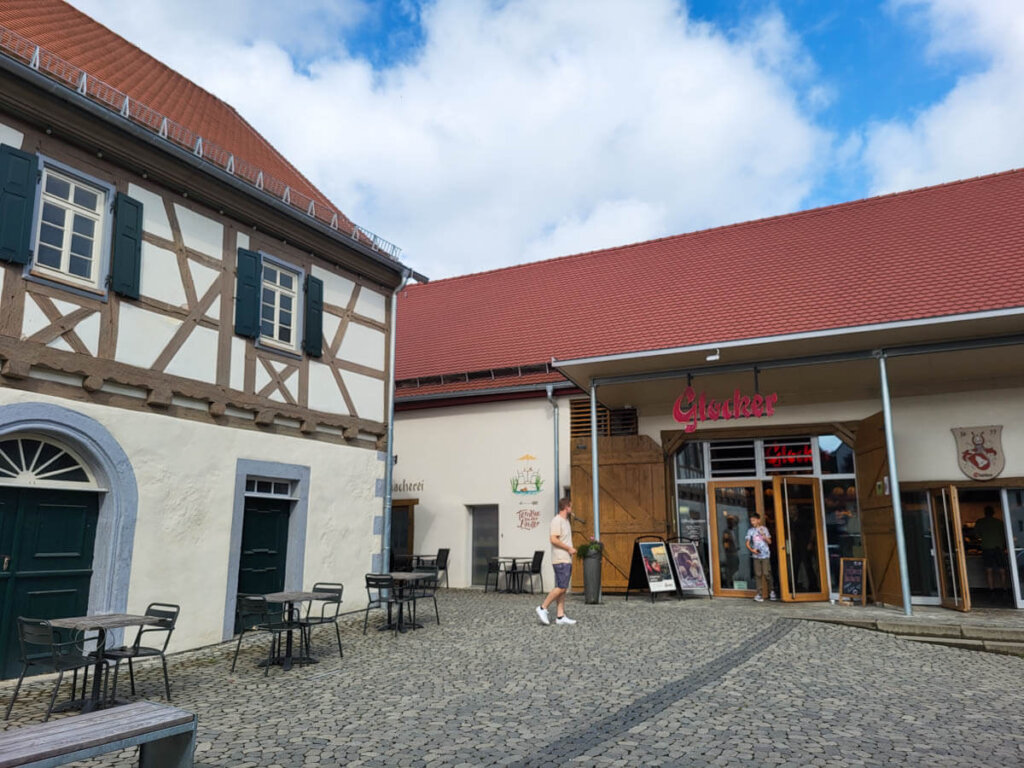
x,y
758,542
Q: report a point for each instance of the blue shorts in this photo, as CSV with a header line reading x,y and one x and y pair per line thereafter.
x,y
562,573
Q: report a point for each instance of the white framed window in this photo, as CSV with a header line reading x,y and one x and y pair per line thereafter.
x,y
279,301
73,219
268,488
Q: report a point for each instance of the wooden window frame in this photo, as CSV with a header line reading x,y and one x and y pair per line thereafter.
x,y
102,235
298,308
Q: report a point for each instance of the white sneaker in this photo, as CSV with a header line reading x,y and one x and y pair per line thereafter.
x,y
564,620
773,596
758,599
543,616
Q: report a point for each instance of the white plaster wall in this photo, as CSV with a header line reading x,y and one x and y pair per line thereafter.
x,y
142,335
199,232
367,395
371,304
925,449
186,482
197,358
33,319
237,379
88,331
202,277
467,455
154,214
160,277
324,394
337,289
12,137
364,346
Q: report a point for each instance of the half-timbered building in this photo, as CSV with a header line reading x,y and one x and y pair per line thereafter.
x,y
194,346
854,373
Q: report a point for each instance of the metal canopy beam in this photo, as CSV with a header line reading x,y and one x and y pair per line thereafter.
x,y
795,362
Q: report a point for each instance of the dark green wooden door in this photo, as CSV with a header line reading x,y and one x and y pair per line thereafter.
x,y
46,550
264,546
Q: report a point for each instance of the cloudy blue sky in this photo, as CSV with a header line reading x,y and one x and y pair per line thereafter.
x,y
477,134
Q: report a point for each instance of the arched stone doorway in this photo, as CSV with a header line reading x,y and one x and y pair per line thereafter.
x,y
68,501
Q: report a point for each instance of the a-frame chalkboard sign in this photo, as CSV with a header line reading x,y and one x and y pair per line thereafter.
x,y
650,569
854,579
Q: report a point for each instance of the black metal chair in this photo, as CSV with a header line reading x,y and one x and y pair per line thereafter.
x,y
381,591
168,615
330,608
42,647
493,569
376,593
439,561
255,615
426,589
534,570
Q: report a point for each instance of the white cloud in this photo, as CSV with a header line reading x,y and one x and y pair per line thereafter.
x,y
976,128
522,129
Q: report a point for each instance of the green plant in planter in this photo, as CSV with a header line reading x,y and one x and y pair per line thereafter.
x,y
592,548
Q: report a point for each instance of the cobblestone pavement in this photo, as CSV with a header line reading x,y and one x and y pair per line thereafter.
x,y
691,683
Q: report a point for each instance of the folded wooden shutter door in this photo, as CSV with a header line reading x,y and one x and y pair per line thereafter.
x,y
247,293
313,331
19,172
126,265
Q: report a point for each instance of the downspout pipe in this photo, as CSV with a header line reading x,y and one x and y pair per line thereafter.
x,y
593,461
554,410
894,486
389,458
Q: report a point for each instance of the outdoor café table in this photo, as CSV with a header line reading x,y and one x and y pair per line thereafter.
x,y
100,623
404,580
290,599
513,572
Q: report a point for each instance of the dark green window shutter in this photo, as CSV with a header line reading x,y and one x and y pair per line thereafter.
x,y
247,293
126,265
313,332
19,172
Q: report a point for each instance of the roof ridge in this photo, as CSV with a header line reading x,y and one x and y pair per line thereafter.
x,y
794,215
178,75
150,56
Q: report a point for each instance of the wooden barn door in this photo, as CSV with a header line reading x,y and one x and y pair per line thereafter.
x,y
632,485
878,524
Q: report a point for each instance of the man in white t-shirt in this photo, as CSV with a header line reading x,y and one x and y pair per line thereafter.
x,y
562,551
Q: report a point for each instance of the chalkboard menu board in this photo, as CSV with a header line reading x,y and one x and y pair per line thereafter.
x,y
851,578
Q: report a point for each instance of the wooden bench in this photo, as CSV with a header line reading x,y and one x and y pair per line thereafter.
x,y
166,737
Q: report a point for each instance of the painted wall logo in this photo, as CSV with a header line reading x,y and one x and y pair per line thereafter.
x,y
703,408
979,451
527,479
529,517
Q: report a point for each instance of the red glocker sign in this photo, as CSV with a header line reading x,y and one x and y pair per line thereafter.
x,y
704,408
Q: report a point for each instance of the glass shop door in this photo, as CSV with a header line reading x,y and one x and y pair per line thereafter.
x,y
801,539
949,541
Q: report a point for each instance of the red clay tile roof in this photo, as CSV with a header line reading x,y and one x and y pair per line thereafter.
x,y
945,250
65,31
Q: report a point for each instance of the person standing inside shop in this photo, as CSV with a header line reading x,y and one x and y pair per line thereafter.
x,y
562,551
992,539
758,542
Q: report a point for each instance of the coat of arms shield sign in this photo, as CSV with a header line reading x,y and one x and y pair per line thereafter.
x,y
979,451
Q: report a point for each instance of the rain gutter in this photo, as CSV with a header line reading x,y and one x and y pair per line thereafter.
x,y
389,456
114,119
802,336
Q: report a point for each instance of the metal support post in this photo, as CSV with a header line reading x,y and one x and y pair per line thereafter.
x,y
894,486
593,460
